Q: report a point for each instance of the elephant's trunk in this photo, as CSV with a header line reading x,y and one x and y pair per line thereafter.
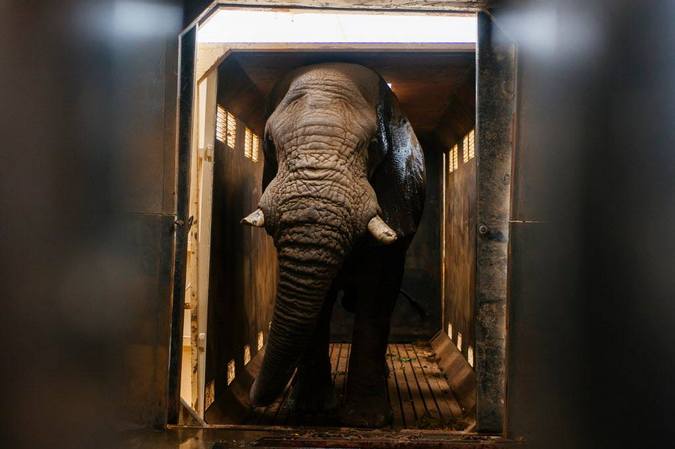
x,y
315,208
309,258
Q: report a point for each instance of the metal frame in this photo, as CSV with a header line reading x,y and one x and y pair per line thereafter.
x,y
186,83
495,141
494,131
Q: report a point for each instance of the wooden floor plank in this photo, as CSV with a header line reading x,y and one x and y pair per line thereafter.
x,y
416,394
407,397
431,414
417,391
407,414
421,411
435,374
455,407
435,381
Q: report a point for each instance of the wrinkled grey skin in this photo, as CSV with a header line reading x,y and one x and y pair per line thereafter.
x,y
338,152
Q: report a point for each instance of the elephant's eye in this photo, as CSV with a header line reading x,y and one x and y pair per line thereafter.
x,y
294,97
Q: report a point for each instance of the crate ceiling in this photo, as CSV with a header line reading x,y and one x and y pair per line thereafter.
x,y
426,83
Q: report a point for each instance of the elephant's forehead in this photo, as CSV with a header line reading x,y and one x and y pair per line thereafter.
x,y
319,77
346,76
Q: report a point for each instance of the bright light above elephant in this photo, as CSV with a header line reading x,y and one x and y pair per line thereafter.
x,y
301,26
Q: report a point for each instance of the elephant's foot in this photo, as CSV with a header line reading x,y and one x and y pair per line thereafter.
x,y
312,395
366,411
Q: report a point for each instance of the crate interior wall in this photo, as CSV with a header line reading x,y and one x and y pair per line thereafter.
x,y
243,266
436,91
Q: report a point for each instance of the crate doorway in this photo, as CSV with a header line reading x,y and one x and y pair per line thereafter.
x,y
447,367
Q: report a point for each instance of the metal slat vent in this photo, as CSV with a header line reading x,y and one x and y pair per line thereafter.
x,y
260,340
471,140
248,143
231,371
247,354
453,160
231,130
226,127
468,147
465,149
221,124
256,148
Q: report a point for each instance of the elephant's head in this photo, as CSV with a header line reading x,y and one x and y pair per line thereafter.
x,y
341,162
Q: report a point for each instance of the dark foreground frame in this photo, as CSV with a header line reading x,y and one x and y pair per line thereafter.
x,y
496,83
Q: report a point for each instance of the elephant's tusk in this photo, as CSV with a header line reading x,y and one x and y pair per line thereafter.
x,y
256,218
381,231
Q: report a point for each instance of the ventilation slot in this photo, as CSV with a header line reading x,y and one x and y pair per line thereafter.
x,y
472,144
256,148
221,125
231,371
248,143
261,340
231,130
247,354
453,161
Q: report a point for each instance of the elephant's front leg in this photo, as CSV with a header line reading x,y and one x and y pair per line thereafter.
x,y
366,403
313,387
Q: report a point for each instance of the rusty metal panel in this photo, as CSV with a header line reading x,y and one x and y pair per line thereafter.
x,y
495,112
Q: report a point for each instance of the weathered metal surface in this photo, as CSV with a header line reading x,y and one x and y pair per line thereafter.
x,y
185,100
494,132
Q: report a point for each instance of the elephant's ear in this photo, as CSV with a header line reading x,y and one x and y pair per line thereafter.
x,y
269,150
270,160
396,166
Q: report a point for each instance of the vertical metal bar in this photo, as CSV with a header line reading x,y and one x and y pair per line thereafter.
x,y
443,243
495,85
186,61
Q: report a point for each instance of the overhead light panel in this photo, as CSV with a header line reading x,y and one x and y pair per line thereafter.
x,y
228,25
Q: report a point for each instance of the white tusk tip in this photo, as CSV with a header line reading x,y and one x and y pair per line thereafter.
x,y
381,231
256,218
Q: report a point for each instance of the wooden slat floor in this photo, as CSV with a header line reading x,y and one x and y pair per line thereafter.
x,y
418,393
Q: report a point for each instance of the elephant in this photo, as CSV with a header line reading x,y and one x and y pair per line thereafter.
x,y
343,193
